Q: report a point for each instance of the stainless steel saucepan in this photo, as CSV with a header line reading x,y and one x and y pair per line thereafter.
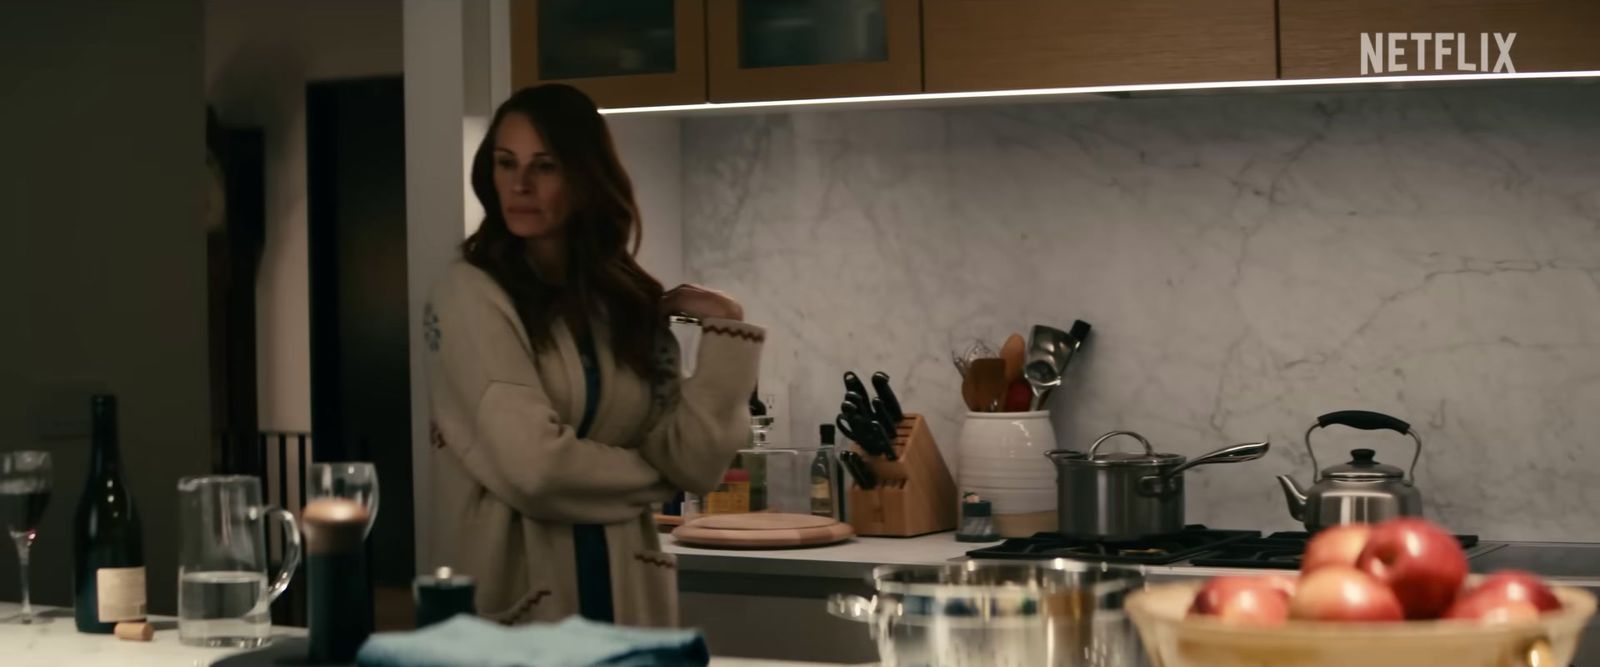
x,y
1126,495
1057,613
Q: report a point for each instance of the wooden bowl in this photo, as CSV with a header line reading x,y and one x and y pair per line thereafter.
x,y
1174,640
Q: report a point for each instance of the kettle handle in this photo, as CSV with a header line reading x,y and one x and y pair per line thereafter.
x,y
1365,420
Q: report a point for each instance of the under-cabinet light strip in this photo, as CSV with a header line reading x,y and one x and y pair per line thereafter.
x,y
1101,90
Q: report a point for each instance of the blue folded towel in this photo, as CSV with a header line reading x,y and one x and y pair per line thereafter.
x,y
469,641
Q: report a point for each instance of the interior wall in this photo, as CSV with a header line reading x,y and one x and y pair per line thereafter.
x,y
103,260
259,57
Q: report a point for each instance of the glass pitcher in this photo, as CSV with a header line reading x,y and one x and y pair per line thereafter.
x,y
223,596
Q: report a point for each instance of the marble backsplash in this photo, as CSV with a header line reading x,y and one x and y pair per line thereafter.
x,y
1248,262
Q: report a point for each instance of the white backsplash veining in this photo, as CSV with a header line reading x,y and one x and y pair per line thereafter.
x,y
1248,262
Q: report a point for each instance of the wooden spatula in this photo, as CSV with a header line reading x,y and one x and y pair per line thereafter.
x,y
989,382
1013,352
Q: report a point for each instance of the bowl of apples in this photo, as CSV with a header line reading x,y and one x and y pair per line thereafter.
x,y
1394,594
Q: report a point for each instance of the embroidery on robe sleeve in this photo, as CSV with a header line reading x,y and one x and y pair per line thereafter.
x,y
663,388
430,327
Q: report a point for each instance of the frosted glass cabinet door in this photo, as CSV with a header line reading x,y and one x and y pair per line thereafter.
x,y
801,49
623,53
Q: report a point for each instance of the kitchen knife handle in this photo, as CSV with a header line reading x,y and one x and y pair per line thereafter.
x,y
880,411
880,383
885,442
852,382
858,469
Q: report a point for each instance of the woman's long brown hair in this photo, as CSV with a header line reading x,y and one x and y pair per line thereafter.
x,y
603,279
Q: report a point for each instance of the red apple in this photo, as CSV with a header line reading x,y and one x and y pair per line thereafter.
x,y
1337,545
1492,609
1339,593
1259,601
1517,585
1419,561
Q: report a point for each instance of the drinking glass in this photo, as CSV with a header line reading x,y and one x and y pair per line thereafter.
x,y
357,481
24,493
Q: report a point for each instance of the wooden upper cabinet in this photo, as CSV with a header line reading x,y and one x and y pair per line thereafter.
x,y
805,49
1323,38
623,53
1012,44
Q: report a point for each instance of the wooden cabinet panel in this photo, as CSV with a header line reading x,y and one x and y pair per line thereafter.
x,y
1322,38
1013,44
601,55
730,80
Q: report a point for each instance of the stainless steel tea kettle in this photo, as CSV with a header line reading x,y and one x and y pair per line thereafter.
x,y
1361,491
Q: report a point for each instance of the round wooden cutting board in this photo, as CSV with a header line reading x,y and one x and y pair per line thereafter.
x,y
762,530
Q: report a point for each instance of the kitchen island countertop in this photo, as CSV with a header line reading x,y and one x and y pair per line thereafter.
x,y
59,644
1572,564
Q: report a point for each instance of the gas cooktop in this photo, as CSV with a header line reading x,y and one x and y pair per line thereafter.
x,y
1154,550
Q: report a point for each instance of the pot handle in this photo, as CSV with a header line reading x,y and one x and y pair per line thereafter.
x,y
1365,420
1162,485
850,607
1537,653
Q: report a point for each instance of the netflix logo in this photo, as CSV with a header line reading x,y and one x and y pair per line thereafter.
x,y
1394,52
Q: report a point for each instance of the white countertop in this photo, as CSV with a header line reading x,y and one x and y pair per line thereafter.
x,y
59,644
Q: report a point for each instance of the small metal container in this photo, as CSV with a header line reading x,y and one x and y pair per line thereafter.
x,y
998,614
1127,495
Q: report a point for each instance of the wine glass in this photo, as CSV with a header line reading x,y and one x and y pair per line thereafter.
x,y
24,493
357,481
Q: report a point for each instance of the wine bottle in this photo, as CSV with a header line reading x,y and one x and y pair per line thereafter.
x,y
108,580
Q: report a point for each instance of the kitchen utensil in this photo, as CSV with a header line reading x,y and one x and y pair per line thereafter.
x,y
858,399
1014,351
1045,360
852,383
969,392
858,469
880,384
223,594
880,414
1050,350
1173,638
998,459
766,530
1125,495
864,431
1361,491
1019,395
963,357
998,614
989,381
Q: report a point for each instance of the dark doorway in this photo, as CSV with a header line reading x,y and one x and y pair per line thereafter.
x,y
360,374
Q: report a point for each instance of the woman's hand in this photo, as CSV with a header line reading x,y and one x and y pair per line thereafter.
x,y
701,302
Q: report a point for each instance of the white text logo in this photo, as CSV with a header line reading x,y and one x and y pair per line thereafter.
x,y
1390,52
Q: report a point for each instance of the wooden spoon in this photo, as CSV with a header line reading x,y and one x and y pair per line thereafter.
x,y
989,383
1013,352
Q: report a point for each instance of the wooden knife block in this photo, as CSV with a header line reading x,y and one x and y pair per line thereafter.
x,y
915,495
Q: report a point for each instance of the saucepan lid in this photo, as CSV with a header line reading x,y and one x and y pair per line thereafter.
x,y
1095,458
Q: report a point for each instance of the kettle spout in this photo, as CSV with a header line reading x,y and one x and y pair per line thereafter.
x,y
1294,497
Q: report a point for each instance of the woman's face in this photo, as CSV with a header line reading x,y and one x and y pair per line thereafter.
x,y
528,180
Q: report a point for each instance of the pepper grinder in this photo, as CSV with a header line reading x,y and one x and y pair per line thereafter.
x,y
340,598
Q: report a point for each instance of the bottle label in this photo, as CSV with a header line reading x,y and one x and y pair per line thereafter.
x,y
120,591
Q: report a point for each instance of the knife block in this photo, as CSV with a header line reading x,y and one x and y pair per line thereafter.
x,y
915,495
